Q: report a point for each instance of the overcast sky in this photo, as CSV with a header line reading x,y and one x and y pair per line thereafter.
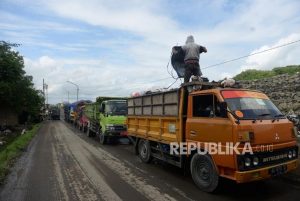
x,y
116,47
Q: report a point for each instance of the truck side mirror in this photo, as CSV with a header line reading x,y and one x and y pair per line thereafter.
x,y
223,109
101,109
223,105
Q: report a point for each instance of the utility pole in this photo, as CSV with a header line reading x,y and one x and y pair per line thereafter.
x,y
77,87
44,94
68,97
46,87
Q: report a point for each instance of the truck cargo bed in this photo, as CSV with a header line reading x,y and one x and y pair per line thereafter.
x,y
155,116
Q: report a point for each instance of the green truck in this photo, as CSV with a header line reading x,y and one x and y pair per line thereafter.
x,y
106,118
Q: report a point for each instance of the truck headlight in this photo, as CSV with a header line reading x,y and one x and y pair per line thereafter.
x,y
110,127
290,154
247,162
255,161
294,153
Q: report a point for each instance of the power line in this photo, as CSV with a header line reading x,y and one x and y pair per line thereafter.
x,y
249,55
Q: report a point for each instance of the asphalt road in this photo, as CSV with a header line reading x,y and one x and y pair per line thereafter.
x,y
61,163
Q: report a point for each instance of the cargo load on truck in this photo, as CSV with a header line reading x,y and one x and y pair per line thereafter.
x,y
76,111
91,115
252,138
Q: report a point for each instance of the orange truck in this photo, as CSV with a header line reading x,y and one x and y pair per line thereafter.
x,y
252,139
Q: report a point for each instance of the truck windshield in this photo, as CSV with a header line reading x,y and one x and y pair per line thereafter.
x,y
117,108
251,105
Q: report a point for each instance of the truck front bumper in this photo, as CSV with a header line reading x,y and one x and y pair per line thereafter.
x,y
116,133
266,172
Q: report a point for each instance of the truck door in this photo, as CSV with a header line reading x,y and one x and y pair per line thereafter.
x,y
205,122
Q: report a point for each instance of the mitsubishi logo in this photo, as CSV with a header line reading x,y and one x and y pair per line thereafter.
x,y
276,136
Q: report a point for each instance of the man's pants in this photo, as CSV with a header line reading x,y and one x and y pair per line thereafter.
x,y
191,69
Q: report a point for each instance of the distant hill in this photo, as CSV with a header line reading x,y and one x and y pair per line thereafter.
x,y
253,74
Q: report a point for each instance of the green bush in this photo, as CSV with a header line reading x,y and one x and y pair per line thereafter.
x,y
14,149
253,74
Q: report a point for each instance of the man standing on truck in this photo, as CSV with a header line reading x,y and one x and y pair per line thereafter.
x,y
192,53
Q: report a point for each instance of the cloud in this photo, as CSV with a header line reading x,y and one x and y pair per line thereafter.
x,y
255,21
134,16
94,77
115,47
287,55
34,26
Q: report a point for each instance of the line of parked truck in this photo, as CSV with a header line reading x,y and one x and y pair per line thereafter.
x,y
105,118
197,112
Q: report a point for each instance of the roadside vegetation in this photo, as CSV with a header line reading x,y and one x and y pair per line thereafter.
x,y
18,98
253,74
16,87
13,149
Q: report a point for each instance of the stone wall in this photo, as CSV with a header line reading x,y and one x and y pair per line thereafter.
x,y
283,90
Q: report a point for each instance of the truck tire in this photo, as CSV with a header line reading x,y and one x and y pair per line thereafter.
x,y
144,151
204,173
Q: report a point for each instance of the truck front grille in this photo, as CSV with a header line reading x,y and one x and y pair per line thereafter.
x,y
267,158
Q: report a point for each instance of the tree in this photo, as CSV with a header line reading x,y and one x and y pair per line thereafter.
x,y
16,88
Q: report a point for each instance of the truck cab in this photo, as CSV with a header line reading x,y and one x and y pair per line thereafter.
x,y
112,117
242,116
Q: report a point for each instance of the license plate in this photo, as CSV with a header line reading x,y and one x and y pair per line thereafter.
x,y
123,133
278,170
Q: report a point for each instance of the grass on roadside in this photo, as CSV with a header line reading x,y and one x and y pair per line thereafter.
x,y
14,149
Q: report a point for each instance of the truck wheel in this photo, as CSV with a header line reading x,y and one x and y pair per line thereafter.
x,y
103,138
204,172
144,151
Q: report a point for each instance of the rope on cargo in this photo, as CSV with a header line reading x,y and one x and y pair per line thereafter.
x,y
173,83
172,70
